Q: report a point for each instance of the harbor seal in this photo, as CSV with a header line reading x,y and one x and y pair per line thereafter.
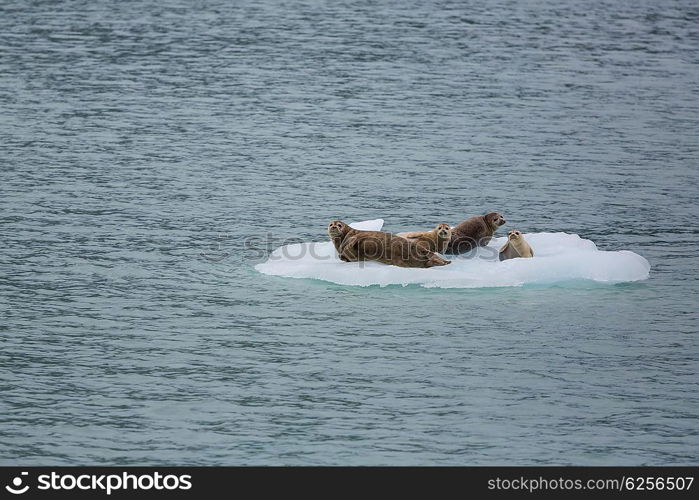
x,y
474,232
516,246
354,245
436,240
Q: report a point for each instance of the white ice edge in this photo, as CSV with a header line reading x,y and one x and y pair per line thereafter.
x,y
559,258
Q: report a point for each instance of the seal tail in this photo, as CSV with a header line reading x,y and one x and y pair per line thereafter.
x,y
436,260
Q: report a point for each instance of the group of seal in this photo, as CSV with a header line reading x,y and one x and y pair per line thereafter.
x,y
421,248
354,245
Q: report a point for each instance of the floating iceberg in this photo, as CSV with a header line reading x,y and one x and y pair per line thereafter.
x,y
558,258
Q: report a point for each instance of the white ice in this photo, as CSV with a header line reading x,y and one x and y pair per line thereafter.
x,y
558,258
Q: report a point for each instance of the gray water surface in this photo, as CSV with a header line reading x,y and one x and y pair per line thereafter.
x,y
143,143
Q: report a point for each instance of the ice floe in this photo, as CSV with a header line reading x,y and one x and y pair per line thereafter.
x,y
558,258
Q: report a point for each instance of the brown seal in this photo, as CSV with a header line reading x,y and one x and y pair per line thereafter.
x,y
354,245
436,240
516,246
474,232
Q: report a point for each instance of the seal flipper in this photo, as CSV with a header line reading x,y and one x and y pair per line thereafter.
x,y
414,235
503,250
349,251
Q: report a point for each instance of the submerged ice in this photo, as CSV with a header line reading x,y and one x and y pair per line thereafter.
x,y
558,258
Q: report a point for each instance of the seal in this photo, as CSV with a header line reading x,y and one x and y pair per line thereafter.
x,y
436,240
516,246
354,245
474,232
